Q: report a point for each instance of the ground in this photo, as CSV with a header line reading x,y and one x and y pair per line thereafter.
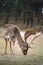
x,y
33,57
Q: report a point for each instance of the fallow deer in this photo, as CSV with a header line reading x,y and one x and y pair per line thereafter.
x,y
14,33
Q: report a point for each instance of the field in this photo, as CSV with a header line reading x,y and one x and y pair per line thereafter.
x,y
33,57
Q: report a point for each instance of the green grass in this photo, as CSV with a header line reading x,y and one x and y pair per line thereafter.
x,y
31,61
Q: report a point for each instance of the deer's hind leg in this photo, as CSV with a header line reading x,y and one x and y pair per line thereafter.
x,y
6,40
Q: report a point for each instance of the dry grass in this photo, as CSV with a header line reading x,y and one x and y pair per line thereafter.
x,y
34,56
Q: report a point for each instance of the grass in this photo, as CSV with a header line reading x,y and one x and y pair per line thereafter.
x,y
38,60
34,56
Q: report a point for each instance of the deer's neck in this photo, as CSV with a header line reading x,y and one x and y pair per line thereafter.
x,y
20,40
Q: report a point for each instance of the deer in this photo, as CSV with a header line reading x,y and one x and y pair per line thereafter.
x,y
14,33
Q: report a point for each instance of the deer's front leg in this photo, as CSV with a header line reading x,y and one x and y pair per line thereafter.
x,y
13,38
11,48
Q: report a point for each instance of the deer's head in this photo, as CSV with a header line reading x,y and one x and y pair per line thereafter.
x,y
25,48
